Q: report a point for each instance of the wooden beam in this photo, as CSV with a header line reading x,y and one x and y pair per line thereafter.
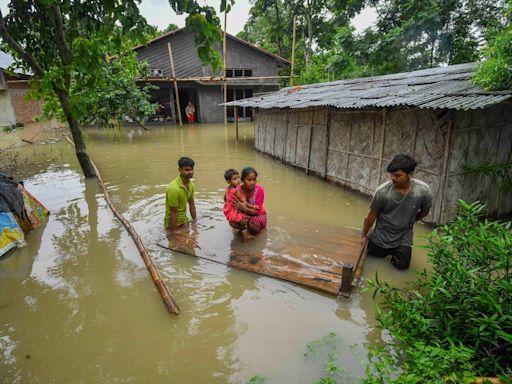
x,y
292,78
382,140
443,183
309,140
327,133
178,106
198,78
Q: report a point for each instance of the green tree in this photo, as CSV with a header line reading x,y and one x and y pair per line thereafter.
x,y
495,72
64,44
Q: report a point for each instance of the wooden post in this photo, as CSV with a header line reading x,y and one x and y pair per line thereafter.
x,y
292,78
327,132
178,106
225,69
310,138
236,122
347,276
446,168
382,137
283,155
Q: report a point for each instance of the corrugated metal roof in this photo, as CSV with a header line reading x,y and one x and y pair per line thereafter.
x,y
445,87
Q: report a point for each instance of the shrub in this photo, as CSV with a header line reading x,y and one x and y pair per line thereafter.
x,y
455,320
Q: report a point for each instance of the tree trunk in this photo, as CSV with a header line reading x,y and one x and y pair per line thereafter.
x,y
278,22
80,149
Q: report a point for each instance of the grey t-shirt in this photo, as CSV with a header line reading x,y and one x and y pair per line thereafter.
x,y
396,213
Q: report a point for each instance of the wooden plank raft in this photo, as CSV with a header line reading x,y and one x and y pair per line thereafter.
x,y
327,261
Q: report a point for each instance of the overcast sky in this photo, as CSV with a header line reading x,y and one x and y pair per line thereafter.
x,y
159,13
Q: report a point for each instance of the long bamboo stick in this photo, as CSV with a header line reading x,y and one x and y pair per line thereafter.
x,y
168,300
178,106
292,79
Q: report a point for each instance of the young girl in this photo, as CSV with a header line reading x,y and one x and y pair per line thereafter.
x,y
236,218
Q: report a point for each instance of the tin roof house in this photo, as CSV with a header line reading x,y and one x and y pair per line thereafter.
x,y
347,132
250,70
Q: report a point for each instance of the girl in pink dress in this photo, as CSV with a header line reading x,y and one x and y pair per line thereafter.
x,y
237,219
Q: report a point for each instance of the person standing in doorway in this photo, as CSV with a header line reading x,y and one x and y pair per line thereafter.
x,y
395,207
190,111
179,192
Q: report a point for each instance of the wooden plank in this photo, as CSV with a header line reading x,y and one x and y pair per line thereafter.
x,y
314,260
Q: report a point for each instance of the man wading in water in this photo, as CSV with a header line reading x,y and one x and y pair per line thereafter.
x,y
178,193
396,206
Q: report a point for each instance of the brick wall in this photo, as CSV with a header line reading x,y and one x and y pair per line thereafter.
x,y
25,110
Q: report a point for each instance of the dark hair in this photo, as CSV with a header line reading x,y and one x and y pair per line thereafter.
x,y
185,162
247,171
230,173
404,162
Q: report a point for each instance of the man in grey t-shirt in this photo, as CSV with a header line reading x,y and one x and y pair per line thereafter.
x,y
396,206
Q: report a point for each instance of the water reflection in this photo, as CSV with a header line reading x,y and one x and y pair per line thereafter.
x,y
84,309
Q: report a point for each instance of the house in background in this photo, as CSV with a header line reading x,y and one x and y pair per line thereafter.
x,y
14,86
243,60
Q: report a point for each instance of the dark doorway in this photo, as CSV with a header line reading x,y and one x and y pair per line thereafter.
x,y
186,95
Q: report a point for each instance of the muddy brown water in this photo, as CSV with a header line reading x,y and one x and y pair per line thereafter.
x,y
77,304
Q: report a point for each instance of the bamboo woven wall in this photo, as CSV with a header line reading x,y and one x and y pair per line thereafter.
x,y
345,147
479,136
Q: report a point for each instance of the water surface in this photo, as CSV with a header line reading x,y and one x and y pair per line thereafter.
x,y
77,304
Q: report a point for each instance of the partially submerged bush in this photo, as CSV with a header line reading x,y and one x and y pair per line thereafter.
x,y
456,320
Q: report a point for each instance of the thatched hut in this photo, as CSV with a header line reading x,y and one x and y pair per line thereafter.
x,y
347,131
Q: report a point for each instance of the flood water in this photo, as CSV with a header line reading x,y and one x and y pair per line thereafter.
x,y
77,304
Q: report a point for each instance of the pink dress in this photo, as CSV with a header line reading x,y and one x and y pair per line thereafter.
x,y
231,213
258,198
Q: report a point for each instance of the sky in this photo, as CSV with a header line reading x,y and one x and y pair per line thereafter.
x,y
160,14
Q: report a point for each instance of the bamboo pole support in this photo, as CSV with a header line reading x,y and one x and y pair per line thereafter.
x,y
309,140
382,140
178,106
236,122
442,196
327,133
225,46
292,78
167,298
346,277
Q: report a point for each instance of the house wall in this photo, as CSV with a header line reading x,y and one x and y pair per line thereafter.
x,y
344,146
25,110
7,116
479,137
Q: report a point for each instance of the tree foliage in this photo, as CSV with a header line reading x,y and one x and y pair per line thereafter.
x,y
65,43
408,35
495,73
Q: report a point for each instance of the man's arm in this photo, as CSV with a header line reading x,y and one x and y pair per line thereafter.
x,y
192,208
173,222
368,223
423,213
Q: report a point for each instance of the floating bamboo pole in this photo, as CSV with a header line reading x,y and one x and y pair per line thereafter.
x,y
178,106
169,302
225,46
292,79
